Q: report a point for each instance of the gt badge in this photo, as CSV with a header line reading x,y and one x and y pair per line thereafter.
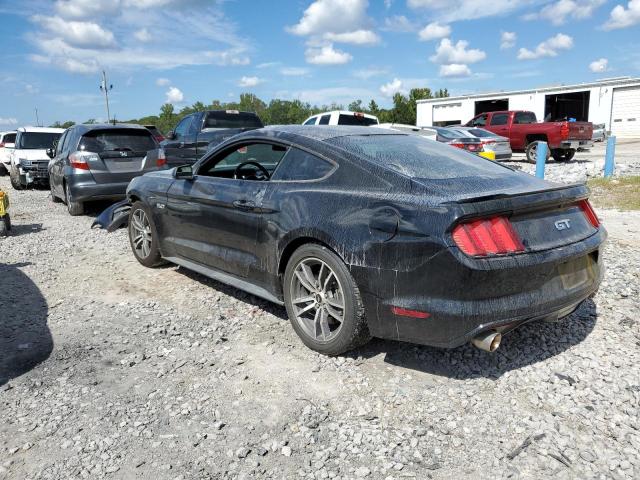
x,y
563,224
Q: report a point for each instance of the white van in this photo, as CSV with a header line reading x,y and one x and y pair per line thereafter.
x,y
29,159
7,141
342,117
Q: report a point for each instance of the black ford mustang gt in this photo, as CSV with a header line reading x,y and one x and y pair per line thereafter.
x,y
363,232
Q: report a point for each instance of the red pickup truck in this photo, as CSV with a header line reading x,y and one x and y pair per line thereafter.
x,y
523,130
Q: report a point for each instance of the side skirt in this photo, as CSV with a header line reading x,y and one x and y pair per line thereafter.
x,y
225,278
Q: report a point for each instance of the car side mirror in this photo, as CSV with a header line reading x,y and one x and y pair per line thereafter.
x,y
171,135
50,153
184,172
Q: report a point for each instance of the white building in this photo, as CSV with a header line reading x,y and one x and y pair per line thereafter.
x,y
614,102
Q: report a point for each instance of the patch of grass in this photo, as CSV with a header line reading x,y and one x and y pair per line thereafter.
x,y
622,193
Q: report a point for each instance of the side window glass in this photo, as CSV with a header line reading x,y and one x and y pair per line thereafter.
x,y
265,155
324,120
60,144
481,121
194,128
299,165
183,127
311,121
499,119
524,118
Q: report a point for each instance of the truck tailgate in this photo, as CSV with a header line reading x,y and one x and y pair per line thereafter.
x,y
580,130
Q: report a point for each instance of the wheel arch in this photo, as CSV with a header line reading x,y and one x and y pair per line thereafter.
x,y
294,243
537,137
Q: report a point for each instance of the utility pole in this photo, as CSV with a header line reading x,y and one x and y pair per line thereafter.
x,y
37,118
105,87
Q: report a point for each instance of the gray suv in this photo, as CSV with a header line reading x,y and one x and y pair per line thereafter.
x,y
97,162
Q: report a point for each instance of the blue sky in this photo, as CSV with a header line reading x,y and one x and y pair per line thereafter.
x,y
321,51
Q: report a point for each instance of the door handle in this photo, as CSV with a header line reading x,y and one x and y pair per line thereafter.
x,y
245,205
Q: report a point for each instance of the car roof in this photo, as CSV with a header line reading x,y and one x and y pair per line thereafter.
x,y
84,128
322,132
40,129
344,112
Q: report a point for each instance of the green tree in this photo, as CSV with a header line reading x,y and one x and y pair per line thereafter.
x,y
66,124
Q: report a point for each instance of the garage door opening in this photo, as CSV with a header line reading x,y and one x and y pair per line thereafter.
x,y
565,106
484,106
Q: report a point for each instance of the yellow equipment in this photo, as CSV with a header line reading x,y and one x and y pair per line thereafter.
x,y
5,220
488,155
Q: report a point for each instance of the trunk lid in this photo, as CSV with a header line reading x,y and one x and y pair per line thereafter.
x,y
120,153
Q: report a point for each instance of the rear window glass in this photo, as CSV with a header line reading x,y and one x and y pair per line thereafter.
x,y
480,133
37,140
414,157
9,138
232,120
344,119
300,165
117,140
450,133
324,120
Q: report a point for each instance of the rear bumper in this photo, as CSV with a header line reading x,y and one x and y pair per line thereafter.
x,y
462,302
575,144
84,192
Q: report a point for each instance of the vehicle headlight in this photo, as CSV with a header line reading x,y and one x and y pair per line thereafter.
x,y
24,162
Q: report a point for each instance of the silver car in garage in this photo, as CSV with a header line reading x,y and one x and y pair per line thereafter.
x,y
491,142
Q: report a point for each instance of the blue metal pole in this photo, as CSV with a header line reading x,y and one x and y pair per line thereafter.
x,y
609,160
541,158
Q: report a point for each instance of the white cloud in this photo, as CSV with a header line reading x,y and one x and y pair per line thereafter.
x,y
455,70
391,88
548,48
77,34
86,8
599,66
448,52
162,82
399,23
249,82
337,16
327,55
457,10
621,17
143,35
357,37
508,40
8,121
174,95
434,30
268,64
294,71
560,11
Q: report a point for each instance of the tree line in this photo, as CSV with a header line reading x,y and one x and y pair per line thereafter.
x,y
283,112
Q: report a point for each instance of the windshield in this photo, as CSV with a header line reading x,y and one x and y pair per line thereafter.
x,y
131,140
37,140
413,157
356,120
9,138
232,120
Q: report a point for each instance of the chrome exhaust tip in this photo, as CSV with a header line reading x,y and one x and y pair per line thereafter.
x,y
488,341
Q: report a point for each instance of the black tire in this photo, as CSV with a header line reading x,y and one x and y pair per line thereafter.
x,y
563,155
54,197
74,208
153,258
531,152
5,225
14,176
3,170
354,330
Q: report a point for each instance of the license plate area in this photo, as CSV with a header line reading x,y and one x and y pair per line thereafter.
x,y
578,272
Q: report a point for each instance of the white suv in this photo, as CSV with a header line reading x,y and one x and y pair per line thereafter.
x,y
342,117
7,140
29,159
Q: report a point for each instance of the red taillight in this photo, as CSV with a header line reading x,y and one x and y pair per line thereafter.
x,y
159,138
489,236
1,145
161,161
457,145
405,312
78,161
473,147
587,209
564,130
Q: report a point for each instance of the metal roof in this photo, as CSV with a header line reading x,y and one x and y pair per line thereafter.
x,y
619,81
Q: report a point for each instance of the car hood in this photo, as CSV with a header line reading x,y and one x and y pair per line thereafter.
x,y
31,154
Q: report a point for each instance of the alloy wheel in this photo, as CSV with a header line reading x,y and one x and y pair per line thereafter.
x,y
318,299
141,229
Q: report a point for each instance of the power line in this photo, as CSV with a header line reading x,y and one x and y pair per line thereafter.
x,y
106,88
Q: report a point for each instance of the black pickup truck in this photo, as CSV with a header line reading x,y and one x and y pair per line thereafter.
x,y
197,133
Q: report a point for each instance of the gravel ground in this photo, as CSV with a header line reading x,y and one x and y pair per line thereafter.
x,y
111,370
